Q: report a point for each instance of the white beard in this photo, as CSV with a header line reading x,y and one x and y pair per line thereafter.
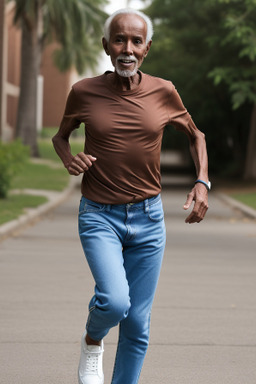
x,y
126,72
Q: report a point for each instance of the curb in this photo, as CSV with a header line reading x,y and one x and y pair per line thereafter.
x,y
34,214
248,211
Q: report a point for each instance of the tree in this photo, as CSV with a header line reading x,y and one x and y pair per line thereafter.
x,y
240,24
189,41
76,25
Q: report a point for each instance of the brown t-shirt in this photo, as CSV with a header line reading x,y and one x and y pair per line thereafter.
x,y
124,132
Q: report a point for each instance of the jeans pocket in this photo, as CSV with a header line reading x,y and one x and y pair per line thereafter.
x,y
87,205
156,212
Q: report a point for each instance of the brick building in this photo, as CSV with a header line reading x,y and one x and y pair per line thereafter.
x,y
56,88
56,85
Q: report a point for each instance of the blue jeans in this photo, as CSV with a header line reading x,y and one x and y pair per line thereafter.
x,y
124,246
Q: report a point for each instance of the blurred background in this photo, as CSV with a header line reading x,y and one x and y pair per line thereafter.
x,y
206,298
207,49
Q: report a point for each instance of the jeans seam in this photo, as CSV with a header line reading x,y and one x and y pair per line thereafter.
x,y
118,345
156,220
89,316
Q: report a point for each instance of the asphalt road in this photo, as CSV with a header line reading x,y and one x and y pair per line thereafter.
x,y
203,328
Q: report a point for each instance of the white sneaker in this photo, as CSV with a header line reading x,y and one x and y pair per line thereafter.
x,y
90,366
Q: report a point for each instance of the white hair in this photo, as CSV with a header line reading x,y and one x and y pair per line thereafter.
x,y
129,11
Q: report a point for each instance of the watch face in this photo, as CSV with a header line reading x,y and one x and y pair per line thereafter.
x,y
209,185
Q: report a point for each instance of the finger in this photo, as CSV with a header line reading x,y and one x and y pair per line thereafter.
x,y
75,170
92,158
188,219
202,209
204,212
84,159
198,213
193,218
189,201
81,162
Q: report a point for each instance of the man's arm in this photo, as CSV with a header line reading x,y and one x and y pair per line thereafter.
x,y
199,194
74,164
182,121
81,162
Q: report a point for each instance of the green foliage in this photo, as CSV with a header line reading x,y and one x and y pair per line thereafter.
x,y
47,151
13,157
75,24
48,132
13,206
78,29
196,47
41,176
50,175
246,198
238,72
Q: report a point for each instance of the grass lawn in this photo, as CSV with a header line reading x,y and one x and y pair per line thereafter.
x,y
242,190
41,176
248,198
47,151
50,175
14,205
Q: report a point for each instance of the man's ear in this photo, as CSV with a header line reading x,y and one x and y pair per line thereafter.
x,y
147,48
105,45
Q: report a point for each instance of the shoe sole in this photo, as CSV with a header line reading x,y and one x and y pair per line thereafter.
x,y
80,381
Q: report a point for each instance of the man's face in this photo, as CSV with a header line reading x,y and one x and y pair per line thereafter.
x,y
127,44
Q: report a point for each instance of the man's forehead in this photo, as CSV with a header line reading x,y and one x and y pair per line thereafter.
x,y
127,20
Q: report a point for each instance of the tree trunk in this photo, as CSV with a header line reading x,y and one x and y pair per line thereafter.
x,y
30,66
250,165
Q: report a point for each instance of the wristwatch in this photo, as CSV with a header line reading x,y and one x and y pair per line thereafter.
x,y
207,185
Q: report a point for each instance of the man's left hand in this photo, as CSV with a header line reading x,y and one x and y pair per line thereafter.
x,y
199,195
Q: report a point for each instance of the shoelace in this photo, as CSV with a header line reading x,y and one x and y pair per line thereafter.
x,y
92,362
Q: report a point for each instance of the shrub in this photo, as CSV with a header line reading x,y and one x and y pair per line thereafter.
x,y
12,158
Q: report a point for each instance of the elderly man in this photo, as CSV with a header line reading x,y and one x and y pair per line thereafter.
x,y
121,220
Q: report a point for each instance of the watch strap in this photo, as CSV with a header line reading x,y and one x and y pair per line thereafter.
x,y
207,185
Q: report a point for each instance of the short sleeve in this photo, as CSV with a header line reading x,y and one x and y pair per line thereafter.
x,y
177,113
71,118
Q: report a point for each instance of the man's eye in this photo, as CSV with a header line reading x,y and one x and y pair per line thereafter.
x,y
138,41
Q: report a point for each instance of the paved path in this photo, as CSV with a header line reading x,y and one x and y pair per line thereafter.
x,y
204,318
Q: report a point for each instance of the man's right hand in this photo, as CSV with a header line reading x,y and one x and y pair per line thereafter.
x,y
80,163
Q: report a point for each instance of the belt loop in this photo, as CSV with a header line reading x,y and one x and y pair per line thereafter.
x,y
146,205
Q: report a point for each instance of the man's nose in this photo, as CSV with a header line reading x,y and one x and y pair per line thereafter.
x,y
128,48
